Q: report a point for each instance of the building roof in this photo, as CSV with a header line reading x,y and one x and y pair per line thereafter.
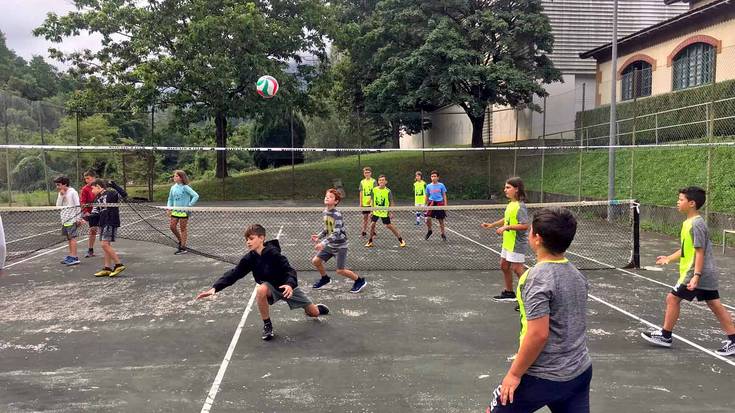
x,y
674,25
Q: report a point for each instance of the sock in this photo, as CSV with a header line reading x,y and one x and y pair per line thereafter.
x,y
400,239
106,269
118,265
666,333
91,249
731,337
325,276
267,322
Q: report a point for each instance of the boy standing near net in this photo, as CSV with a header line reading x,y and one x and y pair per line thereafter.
x,y
332,241
366,196
108,218
552,367
382,198
697,273
68,200
275,277
437,196
419,195
87,198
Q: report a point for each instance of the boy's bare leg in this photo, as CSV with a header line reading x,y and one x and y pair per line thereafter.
x,y
184,224
319,264
428,223
261,297
441,226
172,226
505,266
393,229
311,310
92,237
73,247
346,273
673,307
518,269
723,316
110,254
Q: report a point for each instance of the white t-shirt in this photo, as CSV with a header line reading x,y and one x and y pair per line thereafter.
x,y
71,212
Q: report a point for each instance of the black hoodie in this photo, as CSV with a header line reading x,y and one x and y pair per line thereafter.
x,y
270,266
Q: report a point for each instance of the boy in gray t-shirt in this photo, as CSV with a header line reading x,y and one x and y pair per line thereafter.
x,y
697,274
552,367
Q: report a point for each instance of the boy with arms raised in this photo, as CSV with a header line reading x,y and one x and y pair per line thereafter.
x,y
275,277
697,273
332,241
552,367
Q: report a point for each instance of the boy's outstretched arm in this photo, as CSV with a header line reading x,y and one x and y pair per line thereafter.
x,y
698,265
665,259
230,277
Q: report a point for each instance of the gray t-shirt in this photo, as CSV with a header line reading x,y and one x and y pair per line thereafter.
x,y
559,290
522,236
700,239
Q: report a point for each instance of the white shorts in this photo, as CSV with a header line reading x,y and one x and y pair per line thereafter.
x,y
512,256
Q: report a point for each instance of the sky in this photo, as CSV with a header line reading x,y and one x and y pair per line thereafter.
x,y
18,18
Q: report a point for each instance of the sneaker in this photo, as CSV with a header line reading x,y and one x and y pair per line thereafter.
x,y
518,308
323,309
657,338
428,234
89,254
402,243
728,349
267,332
66,259
321,282
369,243
358,285
105,272
118,269
444,238
505,297
418,221
72,261
181,250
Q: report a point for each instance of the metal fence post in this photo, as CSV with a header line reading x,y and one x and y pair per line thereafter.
x,y
543,150
43,154
581,142
79,173
7,151
515,143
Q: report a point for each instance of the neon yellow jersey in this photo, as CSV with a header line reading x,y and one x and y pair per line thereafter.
x,y
419,192
366,191
510,218
519,297
686,262
382,200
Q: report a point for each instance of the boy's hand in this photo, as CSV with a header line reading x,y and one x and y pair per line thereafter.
x,y
662,260
287,290
508,387
486,225
500,230
204,294
314,238
693,283
319,246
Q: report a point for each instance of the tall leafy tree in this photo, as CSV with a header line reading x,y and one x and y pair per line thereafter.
x,y
200,56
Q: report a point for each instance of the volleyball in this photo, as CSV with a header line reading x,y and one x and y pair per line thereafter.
x,y
267,86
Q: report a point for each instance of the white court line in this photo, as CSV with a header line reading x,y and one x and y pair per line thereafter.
x,y
231,349
635,317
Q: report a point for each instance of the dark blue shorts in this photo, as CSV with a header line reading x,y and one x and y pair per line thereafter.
x,y
534,393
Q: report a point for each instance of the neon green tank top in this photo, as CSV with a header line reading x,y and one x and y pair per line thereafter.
x,y
382,200
686,262
366,190
419,192
510,218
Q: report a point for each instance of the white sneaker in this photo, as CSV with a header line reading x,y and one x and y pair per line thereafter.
x,y
728,348
657,338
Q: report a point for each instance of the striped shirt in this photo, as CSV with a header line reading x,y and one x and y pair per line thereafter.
x,y
334,234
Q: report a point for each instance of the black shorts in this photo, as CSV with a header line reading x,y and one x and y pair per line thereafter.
x,y
682,292
386,220
436,213
93,220
367,212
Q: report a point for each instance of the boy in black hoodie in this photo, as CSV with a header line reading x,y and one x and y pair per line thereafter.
x,y
275,277
109,221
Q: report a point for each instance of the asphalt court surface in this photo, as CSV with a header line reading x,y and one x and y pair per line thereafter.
x,y
411,341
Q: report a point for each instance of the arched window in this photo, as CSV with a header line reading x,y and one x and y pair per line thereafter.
x,y
636,80
693,66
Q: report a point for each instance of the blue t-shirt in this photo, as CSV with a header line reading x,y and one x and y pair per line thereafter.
x,y
436,192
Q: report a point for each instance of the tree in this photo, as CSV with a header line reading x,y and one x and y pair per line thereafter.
x,y
275,131
200,56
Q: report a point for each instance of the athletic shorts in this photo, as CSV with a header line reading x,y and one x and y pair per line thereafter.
x,y
436,213
298,298
681,291
375,218
533,393
328,252
69,231
367,212
180,214
513,257
108,233
93,220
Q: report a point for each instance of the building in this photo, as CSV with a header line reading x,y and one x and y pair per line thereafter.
x,y
578,26
689,50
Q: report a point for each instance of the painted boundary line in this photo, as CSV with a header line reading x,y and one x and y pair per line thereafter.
x,y
209,402
627,313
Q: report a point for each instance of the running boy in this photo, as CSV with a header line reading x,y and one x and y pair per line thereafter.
x,y
180,195
332,241
366,195
382,198
697,273
513,228
109,221
437,196
87,198
68,200
553,367
419,195
275,277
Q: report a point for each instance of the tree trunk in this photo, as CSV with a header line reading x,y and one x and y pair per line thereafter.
x,y
477,124
395,134
220,122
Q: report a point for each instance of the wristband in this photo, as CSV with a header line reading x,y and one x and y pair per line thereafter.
x,y
697,274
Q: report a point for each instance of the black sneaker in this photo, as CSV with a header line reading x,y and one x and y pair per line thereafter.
x,y
728,348
181,250
323,309
505,297
321,282
657,338
267,332
428,234
359,284
444,237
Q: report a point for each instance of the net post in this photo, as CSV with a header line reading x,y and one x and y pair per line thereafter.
x,y
543,151
635,261
79,171
7,151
